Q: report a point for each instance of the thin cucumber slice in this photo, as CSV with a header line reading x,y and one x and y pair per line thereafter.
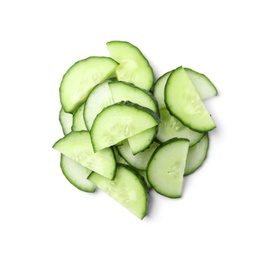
x,y
197,155
140,160
120,121
170,128
183,102
76,174
78,147
118,157
122,91
99,98
143,175
133,66
66,121
81,78
166,167
159,89
140,142
78,120
203,85
127,188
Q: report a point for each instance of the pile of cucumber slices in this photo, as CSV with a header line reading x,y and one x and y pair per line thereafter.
x,y
125,134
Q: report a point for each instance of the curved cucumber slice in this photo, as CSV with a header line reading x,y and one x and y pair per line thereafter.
x,y
196,155
78,120
120,121
140,142
127,188
203,85
170,128
140,160
99,98
81,78
78,147
76,174
122,91
133,66
66,121
166,167
183,102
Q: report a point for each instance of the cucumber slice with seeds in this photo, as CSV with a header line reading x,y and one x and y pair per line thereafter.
x,y
78,147
127,188
120,121
166,167
183,102
133,66
76,174
197,155
170,128
81,78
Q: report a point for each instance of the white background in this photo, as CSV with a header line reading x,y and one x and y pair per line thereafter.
x,y
229,208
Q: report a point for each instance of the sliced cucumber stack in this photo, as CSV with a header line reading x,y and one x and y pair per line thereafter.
x,y
124,134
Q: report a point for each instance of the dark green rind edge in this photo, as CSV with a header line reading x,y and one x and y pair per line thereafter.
x,y
65,174
65,74
204,76
205,155
141,89
154,154
179,118
114,171
129,104
142,183
144,59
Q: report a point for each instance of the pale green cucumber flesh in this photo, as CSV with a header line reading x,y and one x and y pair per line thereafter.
x,y
78,120
99,98
76,174
127,188
78,147
196,155
170,127
203,85
66,121
166,166
120,121
183,102
133,66
140,160
81,78
141,141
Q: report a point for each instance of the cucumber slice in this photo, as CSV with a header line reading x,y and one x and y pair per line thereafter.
x,y
122,91
140,142
78,120
127,188
166,167
197,155
78,147
133,66
120,121
203,85
143,175
140,160
184,103
118,157
81,78
76,174
66,121
170,128
99,98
